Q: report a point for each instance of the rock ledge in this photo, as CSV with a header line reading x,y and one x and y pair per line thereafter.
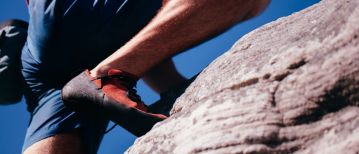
x,y
291,86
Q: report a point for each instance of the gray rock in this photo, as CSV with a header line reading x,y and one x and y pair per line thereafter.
x,y
291,86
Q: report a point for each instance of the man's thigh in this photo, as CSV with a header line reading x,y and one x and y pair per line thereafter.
x,y
68,35
68,142
51,117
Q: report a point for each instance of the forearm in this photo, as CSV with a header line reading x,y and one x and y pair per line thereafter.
x,y
179,25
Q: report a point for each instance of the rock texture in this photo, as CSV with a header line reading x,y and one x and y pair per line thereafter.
x,y
291,86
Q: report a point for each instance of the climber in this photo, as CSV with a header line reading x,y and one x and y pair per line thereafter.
x,y
119,42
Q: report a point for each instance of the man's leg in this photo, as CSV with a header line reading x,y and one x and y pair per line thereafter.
x,y
59,33
53,128
163,76
68,142
107,90
179,25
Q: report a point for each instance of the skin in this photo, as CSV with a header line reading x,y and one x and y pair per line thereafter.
x,y
68,142
179,25
163,76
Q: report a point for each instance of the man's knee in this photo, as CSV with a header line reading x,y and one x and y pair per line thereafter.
x,y
257,8
68,142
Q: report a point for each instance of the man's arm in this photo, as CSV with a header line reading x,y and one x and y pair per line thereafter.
x,y
179,25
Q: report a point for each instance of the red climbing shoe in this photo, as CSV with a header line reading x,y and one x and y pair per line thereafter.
x,y
112,97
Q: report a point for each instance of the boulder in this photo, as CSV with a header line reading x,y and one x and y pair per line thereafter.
x,y
290,86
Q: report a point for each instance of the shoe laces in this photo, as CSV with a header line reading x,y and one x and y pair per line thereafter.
x,y
131,92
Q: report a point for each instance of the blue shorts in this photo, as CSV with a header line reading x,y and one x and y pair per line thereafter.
x,y
64,36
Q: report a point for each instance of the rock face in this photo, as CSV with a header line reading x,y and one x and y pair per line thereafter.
x,y
291,86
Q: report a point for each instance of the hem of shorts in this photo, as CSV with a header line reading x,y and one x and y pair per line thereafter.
x,y
51,132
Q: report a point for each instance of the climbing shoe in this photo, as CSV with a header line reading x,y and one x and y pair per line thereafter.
x,y
111,97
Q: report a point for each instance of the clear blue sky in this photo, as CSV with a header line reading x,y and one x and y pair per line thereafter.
x,y
15,118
